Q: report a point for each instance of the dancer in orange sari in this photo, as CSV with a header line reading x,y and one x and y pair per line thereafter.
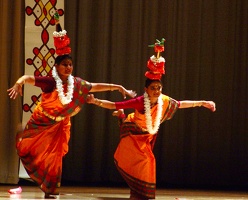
x,y
44,141
134,156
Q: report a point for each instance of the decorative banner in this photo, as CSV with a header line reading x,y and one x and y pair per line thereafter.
x,y
39,48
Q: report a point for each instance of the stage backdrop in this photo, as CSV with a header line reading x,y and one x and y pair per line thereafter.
x,y
206,52
39,49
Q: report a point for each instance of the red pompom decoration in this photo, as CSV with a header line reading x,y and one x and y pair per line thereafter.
x,y
156,67
62,45
153,76
156,64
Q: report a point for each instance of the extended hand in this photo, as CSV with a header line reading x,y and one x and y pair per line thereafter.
x,y
13,92
210,105
125,92
90,98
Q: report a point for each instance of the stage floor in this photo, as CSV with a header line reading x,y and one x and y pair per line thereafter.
x,y
112,193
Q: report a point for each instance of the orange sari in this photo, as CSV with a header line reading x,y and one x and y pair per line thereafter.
x,y
44,141
134,156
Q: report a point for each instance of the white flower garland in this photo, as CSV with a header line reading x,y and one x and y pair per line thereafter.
x,y
64,99
147,105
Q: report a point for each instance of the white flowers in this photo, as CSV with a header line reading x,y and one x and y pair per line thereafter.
x,y
156,60
59,34
64,99
152,129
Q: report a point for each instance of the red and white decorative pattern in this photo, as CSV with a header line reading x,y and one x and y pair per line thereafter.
x,y
39,46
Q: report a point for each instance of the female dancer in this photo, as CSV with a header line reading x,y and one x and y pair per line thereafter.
x,y
134,156
44,141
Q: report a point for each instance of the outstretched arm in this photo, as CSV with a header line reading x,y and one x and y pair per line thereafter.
x,y
100,87
17,87
99,102
189,104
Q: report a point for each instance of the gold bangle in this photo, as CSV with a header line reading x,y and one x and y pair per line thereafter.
x,y
194,104
19,84
199,104
98,102
110,87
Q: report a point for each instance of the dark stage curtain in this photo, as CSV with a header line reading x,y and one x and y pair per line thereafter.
x,y
11,56
206,54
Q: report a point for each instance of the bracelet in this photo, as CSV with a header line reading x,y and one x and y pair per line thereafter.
x,y
197,104
19,84
98,102
110,87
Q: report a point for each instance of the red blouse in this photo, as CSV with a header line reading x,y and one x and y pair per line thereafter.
x,y
46,83
136,103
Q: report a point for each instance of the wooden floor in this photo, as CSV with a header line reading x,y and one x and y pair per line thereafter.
x,y
112,193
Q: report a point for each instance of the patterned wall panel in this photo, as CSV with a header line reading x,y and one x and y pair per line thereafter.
x,y
39,48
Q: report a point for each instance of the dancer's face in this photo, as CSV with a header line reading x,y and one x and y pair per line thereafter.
x,y
154,90
65,68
